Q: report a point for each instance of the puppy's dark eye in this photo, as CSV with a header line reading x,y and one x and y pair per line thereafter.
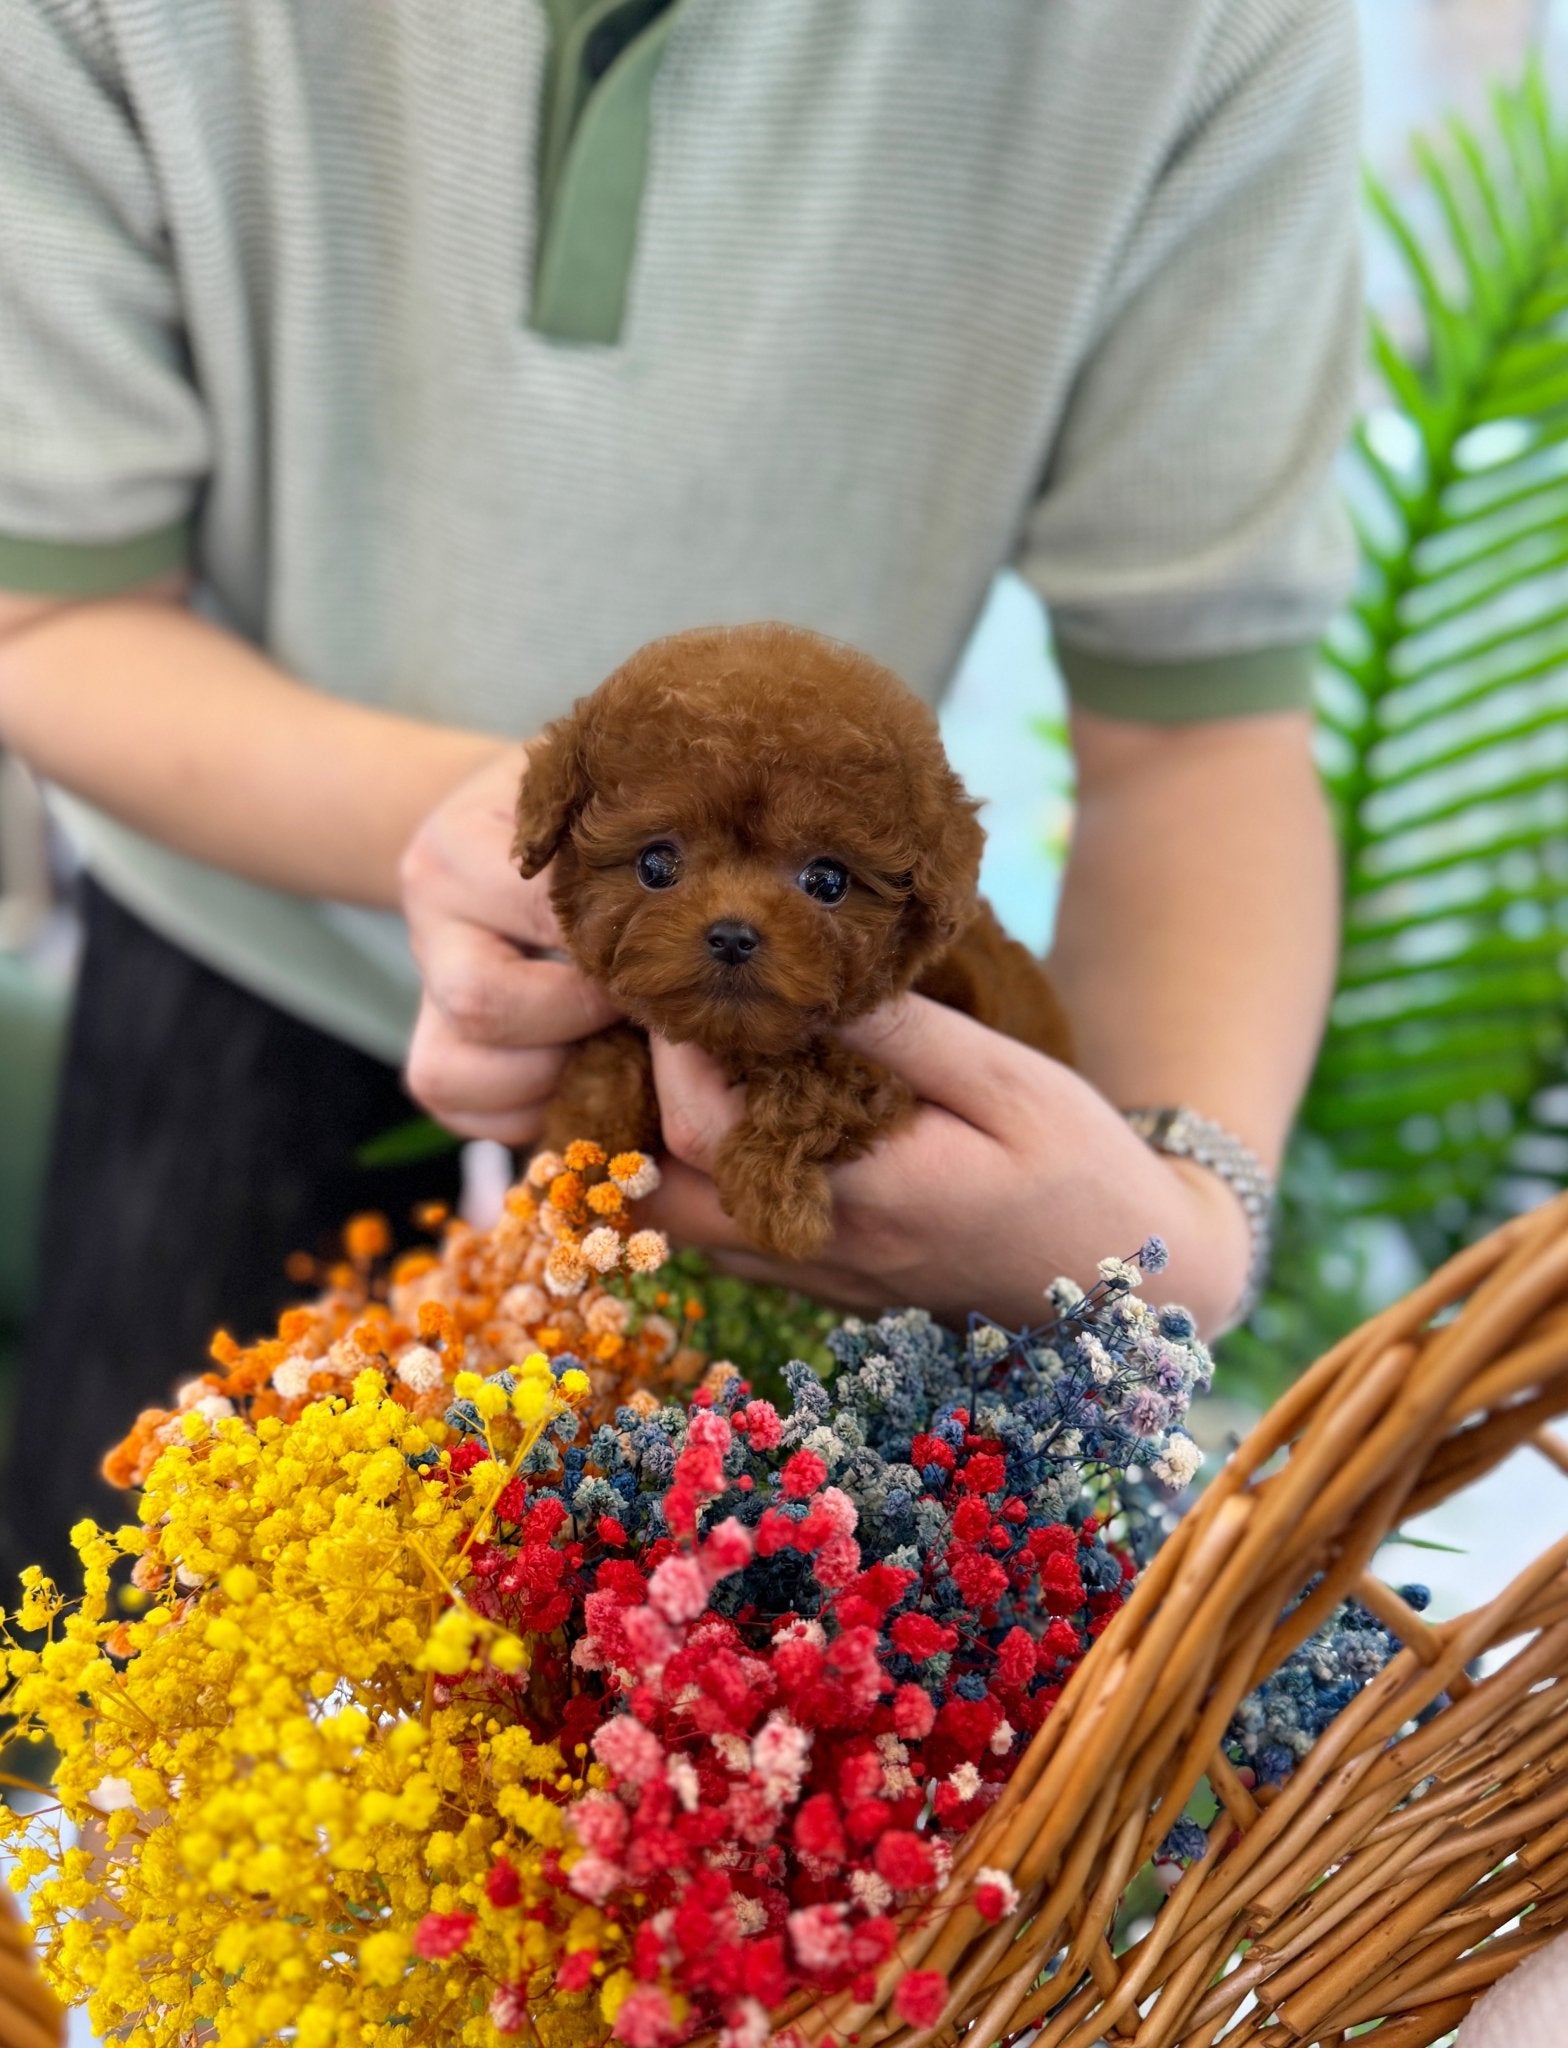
x,y
825,880
658,867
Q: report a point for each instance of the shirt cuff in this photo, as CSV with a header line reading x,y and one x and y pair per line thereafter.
x,y
1184,692
102,568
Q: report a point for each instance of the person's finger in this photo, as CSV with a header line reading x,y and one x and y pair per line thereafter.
x,y
516,1128
949,1059
836,1285
492,995
697,1106
451,872
686,1206
452,1077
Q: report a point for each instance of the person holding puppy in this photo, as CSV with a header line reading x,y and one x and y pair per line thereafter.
x,y
374,380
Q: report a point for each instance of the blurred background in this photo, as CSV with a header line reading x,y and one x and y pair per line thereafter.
x,y
1442,1098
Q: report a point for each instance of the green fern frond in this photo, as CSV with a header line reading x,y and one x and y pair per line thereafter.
x,y
1442,1090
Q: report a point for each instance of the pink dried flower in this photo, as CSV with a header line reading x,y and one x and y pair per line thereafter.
x,y
678,1589
728,1549
763,1428
645,2019
440,1935
600,1823
634,1753
509,2008
820,1938
594,1878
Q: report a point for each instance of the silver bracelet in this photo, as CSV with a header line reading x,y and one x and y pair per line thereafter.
x,y
1186,1135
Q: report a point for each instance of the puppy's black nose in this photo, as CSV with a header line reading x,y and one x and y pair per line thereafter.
x,y
733,942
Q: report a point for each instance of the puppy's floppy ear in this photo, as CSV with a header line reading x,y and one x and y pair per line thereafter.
x,y
944,880
555,787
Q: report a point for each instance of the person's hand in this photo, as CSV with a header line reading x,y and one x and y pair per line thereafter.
x,y
1014,1170
496,1014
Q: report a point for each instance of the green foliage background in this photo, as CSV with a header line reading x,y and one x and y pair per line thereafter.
x,y
1440,1101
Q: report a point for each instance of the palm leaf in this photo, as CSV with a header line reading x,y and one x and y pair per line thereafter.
x,y
1442,1084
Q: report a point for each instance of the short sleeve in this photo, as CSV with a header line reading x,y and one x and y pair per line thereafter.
x,y
103,438
1189,541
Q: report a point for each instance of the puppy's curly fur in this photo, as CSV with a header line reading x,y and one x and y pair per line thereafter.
x,y
756,836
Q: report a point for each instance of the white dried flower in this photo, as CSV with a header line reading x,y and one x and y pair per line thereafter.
x,y
871,1890
607,1314
647,1250
681,1774
566,1270
733,1750
1180,1464
420,1370
602,1249
291,1378
1118,1273
751,1916
524,1303
543,1168
661,1333
112,1795
634,1180
1001,1882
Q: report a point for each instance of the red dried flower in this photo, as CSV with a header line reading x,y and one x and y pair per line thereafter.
x,y
905,1860
920,1998
804,1473
440,1935
913,1713
1016,1659
576,1973
985,1472
930,1450
918,1636
818,1829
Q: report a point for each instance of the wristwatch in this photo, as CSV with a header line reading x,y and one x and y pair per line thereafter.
x,y
1184,1134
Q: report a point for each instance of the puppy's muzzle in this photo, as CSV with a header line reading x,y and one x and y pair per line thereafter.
x,y
732,943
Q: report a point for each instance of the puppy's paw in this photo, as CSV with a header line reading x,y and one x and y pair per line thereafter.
x,y
606,1093
779,1200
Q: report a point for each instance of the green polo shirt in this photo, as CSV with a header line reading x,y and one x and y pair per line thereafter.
x,y
459,350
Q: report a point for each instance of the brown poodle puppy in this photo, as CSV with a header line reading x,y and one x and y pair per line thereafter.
x,y
756,836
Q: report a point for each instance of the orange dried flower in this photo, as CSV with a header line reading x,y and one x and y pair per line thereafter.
x,y
367,1237
606,1199
412,1265
583,1153
223,1348
434,1323
566,1192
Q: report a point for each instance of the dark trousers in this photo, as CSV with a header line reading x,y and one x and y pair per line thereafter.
x,y
201,1136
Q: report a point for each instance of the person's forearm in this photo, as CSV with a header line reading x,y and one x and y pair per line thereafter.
x,y
186,733
1197,938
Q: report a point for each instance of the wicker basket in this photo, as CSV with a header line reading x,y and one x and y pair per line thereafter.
x,y
29,2016
1343,1899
